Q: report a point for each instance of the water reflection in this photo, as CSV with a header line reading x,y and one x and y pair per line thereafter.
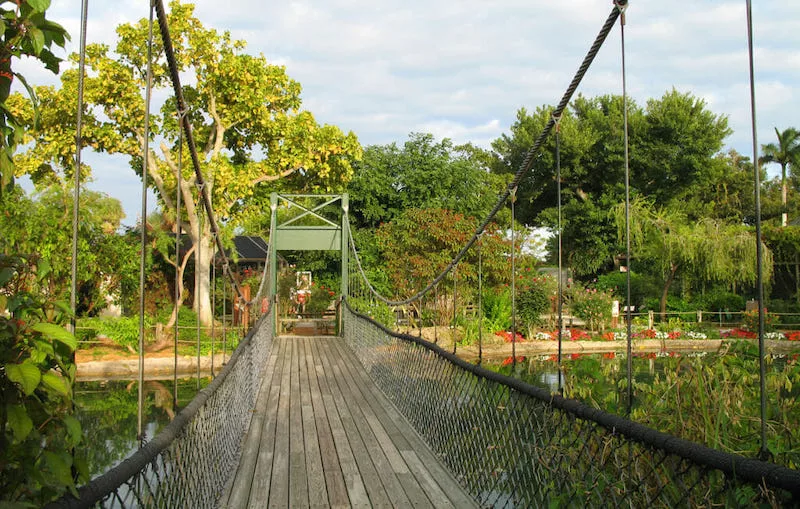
x,y
108,413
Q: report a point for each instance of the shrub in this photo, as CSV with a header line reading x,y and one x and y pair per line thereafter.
x,y
718,300
534,301
750,320
593,307
497,309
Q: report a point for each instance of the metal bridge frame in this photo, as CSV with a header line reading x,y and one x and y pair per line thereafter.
x,y
323,235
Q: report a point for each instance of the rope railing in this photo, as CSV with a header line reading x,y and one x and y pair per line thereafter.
x,y
511,444
189,463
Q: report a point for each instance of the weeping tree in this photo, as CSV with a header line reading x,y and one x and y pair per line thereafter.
x,y
704,250
245,113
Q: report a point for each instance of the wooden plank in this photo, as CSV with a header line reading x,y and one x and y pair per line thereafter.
x,y
381,425
239,492
279,483
332,471
428,469
391,484
317,489
259,491
362,469
298,474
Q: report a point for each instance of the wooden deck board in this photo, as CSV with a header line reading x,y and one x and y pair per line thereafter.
x,y
323,435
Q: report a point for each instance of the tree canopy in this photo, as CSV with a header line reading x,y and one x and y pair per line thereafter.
x,y
245,112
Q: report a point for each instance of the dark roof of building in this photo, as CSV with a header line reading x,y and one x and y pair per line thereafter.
x,y
250,248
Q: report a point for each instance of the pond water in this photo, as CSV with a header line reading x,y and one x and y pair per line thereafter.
x,y
108,413
708,397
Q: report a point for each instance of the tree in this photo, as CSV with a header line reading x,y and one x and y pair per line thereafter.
x,y
418,245
106,263
787,154
26,31
706,250
422,173
246,119
673,145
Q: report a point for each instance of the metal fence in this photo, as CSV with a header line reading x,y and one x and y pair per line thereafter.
x,y
189,463
514,445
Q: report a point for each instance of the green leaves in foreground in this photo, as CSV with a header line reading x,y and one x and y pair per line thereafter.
x,y
37,431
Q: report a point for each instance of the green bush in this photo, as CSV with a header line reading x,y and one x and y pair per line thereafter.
x,y
642,286
497,309
719,300
123,331
593,307
534,301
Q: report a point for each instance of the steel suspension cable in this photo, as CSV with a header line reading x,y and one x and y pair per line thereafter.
x,y
764,453
73,299
143,226
178,272
197,256
560,252
513,283
524,167
628,335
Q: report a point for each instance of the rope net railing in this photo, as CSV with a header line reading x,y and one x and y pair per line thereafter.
x,y
190,462
511,444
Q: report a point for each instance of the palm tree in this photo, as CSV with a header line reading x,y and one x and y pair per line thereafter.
x,y
786,153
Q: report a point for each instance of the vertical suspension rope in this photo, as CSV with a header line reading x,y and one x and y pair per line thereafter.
x,y
436,315
455,308
764,453
143,246
213,305
198,258
225,314
73,299
480,301
560,259
178,245
513,284
629,335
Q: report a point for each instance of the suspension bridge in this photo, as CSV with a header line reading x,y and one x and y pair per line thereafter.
x,y
373,417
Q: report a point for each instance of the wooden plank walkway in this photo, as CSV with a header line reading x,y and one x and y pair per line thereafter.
x,y
323,435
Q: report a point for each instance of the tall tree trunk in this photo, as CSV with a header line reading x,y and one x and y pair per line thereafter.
x,y
670,278
202,278
784,194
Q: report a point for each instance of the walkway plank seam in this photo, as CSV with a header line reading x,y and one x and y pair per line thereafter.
x,y
323,435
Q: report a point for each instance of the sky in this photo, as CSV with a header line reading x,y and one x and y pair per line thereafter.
x,y
461,70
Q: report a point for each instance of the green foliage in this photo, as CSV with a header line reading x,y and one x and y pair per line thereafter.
x,y
422,173
642,286
718,299
497,309
37,428
123,331
420,243
376,310
534,300
26,32
750,321
592,306
107,263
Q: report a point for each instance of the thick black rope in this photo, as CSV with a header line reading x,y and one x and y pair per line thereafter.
x,y
732,465
526,165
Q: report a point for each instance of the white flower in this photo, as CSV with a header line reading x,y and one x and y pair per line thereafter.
x,y
774,335
696,335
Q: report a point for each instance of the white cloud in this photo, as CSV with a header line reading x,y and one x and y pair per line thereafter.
x,y
462,69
